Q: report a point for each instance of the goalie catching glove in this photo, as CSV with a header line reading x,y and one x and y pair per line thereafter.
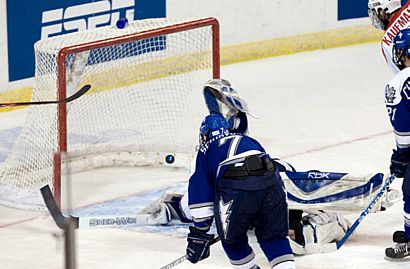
x,y
198,244
316,228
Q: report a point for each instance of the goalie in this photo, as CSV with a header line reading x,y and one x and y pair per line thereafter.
x,y
305,227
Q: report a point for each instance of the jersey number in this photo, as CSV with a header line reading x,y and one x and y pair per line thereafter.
x,y
233,146
392,112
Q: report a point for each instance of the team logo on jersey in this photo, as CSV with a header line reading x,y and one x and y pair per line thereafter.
x,y
225,213
389,93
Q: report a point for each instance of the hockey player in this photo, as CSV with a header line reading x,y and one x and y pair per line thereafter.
x,y
235,183
220,97
389,16
397,100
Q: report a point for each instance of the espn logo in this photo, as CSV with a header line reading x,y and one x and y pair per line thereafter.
x,y
85,16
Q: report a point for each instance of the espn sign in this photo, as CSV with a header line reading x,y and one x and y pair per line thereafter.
x,y
31,20
85,16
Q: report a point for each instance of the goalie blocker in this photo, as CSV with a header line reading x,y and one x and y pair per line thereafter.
x,y
330,191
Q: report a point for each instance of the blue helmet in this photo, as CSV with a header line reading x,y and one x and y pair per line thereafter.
x,y
213,125
401,47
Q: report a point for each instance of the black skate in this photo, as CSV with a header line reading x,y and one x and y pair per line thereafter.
x,y
399,237
399,251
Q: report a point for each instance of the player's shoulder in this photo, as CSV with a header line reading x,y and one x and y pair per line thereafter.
x,y
398,84
213,142
402,75
244,137
400,18
248,143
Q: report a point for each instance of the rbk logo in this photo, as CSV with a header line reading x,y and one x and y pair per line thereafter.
x,y
85,16
318,175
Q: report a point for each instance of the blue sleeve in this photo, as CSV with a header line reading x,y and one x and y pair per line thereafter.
x,y
211,102
242,128
201,193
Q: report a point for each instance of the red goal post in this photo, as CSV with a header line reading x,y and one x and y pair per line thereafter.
x,y
144,99
62,92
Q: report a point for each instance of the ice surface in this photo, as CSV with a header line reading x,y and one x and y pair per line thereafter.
x,y
317,110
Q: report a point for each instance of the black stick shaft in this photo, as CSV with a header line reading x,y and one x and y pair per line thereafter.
x,y
81,92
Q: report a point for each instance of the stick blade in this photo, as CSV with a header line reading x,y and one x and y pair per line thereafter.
x,y
52,207
78,94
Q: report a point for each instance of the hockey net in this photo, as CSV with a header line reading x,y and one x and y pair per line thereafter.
x,y
145,101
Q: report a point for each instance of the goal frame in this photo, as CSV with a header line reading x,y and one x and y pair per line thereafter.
x,y
62,86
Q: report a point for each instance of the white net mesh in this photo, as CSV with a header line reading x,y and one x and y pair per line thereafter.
x,y
145,101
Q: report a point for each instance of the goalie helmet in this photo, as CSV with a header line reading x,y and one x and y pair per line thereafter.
x,y
222,98
213,125
380,10
401,47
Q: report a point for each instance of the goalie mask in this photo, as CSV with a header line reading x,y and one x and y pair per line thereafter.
x,y
213,125
401,48
221,98
380,11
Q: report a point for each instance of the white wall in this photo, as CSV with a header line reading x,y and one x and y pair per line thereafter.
x,y
245,21
4,71
242,21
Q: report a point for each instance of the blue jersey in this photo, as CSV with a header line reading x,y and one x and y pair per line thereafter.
x,y
397,100
209,166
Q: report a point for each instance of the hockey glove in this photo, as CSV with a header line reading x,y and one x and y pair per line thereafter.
x,y
198,244
398,164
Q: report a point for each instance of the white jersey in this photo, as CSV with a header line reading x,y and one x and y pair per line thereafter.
x,y
400,20
397,100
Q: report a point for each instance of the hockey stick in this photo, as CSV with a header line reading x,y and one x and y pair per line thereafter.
x,y
76,95
67,224
55,211
366,211
106,221
183,258
94,221
329,247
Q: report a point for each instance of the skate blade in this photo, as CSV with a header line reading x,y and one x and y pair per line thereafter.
x,y
404,259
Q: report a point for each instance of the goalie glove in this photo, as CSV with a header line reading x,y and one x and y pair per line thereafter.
x,y
199,243
324,227
156,213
